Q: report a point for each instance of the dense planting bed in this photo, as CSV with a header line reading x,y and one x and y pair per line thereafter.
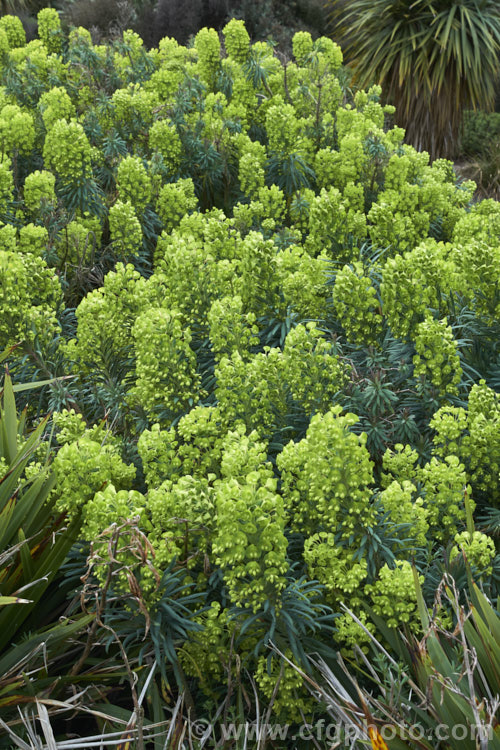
x,y
275,331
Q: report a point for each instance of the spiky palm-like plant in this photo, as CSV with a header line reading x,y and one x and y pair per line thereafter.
x,y
435,58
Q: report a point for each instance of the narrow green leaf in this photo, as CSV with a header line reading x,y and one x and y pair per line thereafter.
x,y
422,609
488,613
468,514
47,565
5,518
440,661
26,560
9,419
20,387
53,635
32,502
6,353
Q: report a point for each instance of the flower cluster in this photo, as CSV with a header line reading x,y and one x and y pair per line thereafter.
x,y
183,520
326,477
357,306
174,201
163,137
252,389
14,30
55,105
17,130
477,548
445,485
412,284
237,41
230,329
207,46
393,594
67,150
125,230
334,566
166,366
312,368
404,507
30,294
133,183
437,356
106,315
49,29
39,190
250,542
85,467
290,701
